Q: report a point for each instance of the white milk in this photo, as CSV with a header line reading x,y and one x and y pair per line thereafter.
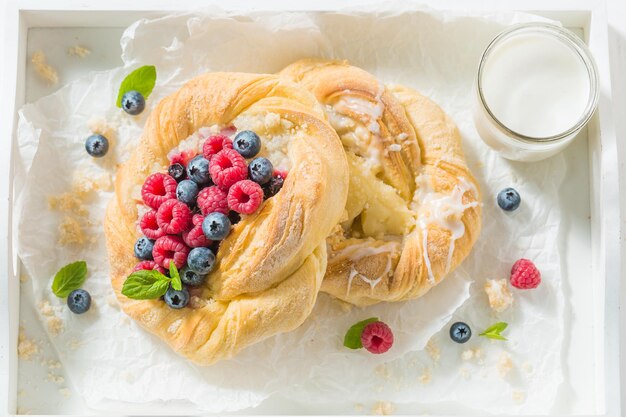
x,y
539,81
536,85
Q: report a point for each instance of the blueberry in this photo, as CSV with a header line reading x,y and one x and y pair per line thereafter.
x,y
97,146
247,143
198,170
234,217
133,102
177,171
273,186
260,170
176,299
187,191
192,278
460,332
201,260
79,301
143,248
216,226
509,199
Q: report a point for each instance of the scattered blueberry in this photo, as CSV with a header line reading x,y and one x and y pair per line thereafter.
x,y
187,191
192,278
133,102
247,143
177,171
273,186
260,170
201,260
79,301
143,248
460,332
97,146
509,199
198,170
176,299
216,226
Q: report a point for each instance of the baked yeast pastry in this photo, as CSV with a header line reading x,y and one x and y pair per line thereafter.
x,y
269,268
413,210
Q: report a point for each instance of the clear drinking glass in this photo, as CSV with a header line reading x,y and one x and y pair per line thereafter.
x,y
536,88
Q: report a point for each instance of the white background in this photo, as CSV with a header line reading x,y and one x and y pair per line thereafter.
x,y
616,12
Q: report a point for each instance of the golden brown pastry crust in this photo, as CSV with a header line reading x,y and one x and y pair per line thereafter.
x,y
270,267
410,192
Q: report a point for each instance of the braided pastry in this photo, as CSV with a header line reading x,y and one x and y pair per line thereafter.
x,y
270,267
413,210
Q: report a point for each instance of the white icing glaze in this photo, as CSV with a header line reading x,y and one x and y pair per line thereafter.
x,y
357,252
444,210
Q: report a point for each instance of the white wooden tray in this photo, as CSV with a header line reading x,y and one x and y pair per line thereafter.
x,y
590,242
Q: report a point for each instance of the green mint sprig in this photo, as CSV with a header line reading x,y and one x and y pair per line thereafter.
x,y
493,332
69,278
142,80
149,285
352,340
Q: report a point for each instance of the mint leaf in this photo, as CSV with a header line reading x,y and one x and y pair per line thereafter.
x,y
493,332
69,278
142,80
175,277
145,285
352,340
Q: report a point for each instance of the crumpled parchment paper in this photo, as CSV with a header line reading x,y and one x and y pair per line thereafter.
x,y
110,360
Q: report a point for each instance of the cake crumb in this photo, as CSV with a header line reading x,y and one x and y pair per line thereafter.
x,y
51,364
500,297
43,69
382,408
505,364
26,348
54,323
426,377
433,350
71,232
67,203
65,392
79,51
518,396
383,371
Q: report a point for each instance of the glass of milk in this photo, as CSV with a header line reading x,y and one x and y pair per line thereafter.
x,y
537,87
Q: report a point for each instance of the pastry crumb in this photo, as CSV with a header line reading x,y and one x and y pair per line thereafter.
x,y
467,355
79,51
65,392
433,350
505,364
383,408
43,69
71,232
518,396
500,297
57,379
54,323
67,203
383,371
26,348
426,377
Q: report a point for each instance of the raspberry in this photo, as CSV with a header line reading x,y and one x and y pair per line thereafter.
x,y
377,337
197,219
183,157
195,238
173,217
214,144
147,266
213,199
245,197
280,173
149,226
169,248
157,189
227,167
525,275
